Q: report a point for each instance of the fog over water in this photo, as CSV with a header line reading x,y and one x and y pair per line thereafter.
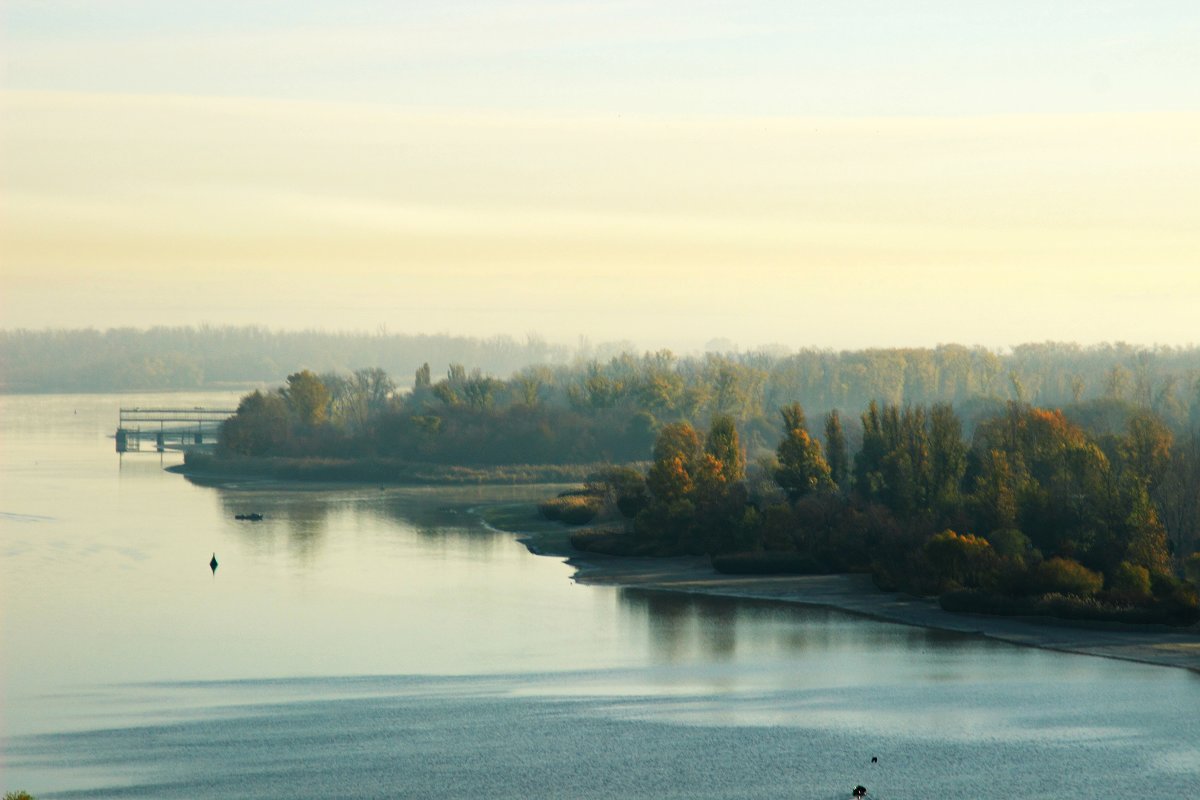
x,y
383,642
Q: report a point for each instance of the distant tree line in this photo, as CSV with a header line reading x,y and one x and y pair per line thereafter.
x,y
205,357
1097,381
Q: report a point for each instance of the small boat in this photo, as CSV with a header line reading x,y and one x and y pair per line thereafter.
x,y
859,791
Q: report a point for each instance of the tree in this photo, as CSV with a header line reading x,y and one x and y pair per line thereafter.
x,y
996,490
723,445
677,452
948,457
1194,411
259,427
307,398
868,462
1116,382
1191,568
479,390
1146,448
1177,495
802,467
421,379
528,384
835,448
355,401
1144,536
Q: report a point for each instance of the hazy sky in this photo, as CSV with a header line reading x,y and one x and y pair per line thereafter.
x,y
810,173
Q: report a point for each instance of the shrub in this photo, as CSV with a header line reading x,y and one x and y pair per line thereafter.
x,y
623,487
1010,543
1130,581
1060,606
1066,576
961,558
573,509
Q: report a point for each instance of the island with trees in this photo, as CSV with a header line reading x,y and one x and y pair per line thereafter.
x,y
1068,487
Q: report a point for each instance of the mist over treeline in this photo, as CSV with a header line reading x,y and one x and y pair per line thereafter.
x,y
208,357
746,384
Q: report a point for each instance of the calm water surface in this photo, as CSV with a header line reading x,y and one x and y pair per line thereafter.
x,y
367,642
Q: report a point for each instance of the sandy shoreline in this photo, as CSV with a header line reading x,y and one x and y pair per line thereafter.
x,y
856,594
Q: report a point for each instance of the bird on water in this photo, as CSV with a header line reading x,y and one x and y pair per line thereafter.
x,y
213,563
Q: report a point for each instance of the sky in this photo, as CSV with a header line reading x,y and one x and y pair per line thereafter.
x,y
832,174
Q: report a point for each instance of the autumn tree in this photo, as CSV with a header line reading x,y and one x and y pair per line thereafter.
x,y
307,398
723,445
677,452
802,467
1067,576
961,558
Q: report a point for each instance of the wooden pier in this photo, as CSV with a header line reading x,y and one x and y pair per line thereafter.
x,y
178,428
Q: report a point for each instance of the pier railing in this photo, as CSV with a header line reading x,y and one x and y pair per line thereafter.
x,y
175,427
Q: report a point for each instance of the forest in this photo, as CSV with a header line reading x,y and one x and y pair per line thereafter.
x,y
994,503
1031,516
747,384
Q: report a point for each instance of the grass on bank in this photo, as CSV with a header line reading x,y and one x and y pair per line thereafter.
x,y
379,470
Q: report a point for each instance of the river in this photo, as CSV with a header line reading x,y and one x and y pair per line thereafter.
x,y
382,642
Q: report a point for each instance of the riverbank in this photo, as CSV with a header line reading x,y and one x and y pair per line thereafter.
x,y
855,594
207,467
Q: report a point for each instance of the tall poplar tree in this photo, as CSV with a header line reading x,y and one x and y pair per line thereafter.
x,y
835,448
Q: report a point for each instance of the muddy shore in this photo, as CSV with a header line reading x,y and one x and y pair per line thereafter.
x,y
856,594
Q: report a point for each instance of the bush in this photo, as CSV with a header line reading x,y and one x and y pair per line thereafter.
x,y
1066,576
1130,581
960,558
1061,606
1010,543
572,509
622,487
